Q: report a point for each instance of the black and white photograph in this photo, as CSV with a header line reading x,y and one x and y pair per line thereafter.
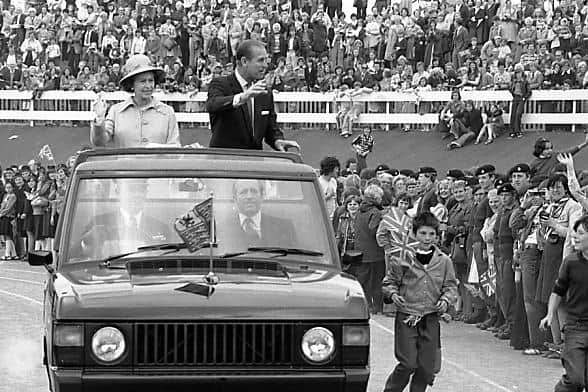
x,y
293,195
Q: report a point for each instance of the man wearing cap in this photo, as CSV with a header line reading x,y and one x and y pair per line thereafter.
x,y
505,284
141,120
241,106
427,178
526,221
520,176
381,169
486,176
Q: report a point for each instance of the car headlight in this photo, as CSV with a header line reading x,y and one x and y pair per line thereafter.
x,y
108,344
318,345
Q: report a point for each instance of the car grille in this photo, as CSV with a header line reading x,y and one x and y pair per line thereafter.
x,y
205,344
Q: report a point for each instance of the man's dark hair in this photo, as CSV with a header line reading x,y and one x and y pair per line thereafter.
x,y
328,164
425,219
245,49
583,221
558,178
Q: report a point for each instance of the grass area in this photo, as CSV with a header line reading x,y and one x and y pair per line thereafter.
x,y
397,149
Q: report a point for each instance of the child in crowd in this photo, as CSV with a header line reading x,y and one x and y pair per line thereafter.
x,y
422,285
571,285
363,145
492,124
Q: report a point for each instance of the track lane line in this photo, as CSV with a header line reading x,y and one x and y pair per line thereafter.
x,y
11,294
21,270
23,280
454,364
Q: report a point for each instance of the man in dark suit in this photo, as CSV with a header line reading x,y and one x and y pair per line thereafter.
x,y
460,42
250,226
241,105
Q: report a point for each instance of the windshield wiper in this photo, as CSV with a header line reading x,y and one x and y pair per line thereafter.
x,y
171,246
274,249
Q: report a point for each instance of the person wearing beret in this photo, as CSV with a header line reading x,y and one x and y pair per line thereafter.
x,y
427,178
526,222
485,174
455,174
546,158
519,176
141,120
381,168
505,283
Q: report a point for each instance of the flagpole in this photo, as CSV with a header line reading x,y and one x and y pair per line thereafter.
x,y
211,278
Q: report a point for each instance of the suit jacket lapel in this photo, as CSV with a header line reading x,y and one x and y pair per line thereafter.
x,y
236,86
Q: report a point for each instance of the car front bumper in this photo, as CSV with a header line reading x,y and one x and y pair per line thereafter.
x,y
341,380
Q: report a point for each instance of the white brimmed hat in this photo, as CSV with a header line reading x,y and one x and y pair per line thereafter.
x,y
137,64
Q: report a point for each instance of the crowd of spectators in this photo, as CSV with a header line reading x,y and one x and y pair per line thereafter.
x,y
31,199
506,234
312,45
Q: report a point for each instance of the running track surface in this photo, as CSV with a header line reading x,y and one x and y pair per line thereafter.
x,y
473,360
398,149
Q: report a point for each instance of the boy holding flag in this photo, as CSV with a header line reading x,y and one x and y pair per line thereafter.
x,y
422,285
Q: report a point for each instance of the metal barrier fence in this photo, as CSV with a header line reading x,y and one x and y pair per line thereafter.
x,y
560,108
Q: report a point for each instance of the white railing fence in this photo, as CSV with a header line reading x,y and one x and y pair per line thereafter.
x,y
544,108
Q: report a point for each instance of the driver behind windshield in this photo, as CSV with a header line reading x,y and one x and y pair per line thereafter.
x,y
250,225
127,226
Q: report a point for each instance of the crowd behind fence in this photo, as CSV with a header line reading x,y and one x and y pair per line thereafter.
x,y
562,109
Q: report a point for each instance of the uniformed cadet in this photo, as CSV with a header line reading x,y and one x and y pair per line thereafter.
x,y
505,278
141,120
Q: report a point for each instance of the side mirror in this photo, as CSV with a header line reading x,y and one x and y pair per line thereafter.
x,y
40,257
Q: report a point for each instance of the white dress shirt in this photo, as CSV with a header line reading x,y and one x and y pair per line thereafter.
x,y
256,219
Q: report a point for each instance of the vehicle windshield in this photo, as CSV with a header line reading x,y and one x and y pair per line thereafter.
x,y
112,216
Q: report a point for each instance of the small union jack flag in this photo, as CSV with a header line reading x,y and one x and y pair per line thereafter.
x,y
488,282
400,229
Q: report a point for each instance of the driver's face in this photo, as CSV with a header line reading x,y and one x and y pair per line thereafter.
x,y
248,196
132,196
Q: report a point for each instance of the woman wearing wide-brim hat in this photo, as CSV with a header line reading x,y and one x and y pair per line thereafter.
x,y
141,120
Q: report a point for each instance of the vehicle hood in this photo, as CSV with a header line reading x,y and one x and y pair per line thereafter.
x,y
97,294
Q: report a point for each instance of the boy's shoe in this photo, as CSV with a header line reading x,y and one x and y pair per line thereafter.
x,y
520,135
512,135
453,145
489,141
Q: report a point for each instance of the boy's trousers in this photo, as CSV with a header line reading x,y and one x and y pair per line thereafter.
x,y
416,349
574,358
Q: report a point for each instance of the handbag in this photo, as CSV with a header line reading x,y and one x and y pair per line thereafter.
x,y
350,257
